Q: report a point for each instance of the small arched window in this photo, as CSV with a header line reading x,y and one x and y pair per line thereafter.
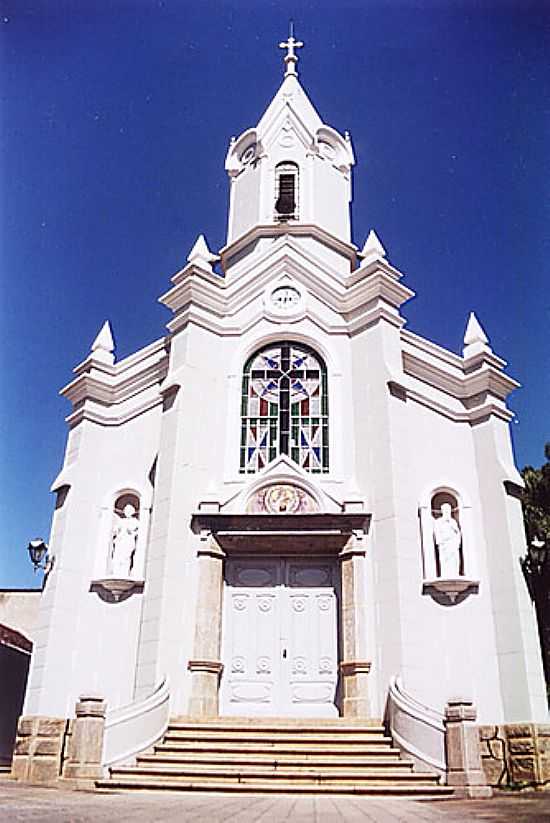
x,y
286,192
284,408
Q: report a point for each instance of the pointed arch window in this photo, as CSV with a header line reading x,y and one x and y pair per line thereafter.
x,y
284,408
286,192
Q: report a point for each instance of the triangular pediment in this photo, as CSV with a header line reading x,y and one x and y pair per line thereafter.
x,y
282,476
290,99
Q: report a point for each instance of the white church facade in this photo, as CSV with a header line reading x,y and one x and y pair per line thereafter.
x,y
289,500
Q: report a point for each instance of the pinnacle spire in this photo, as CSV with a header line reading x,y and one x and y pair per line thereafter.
x,y
474,331
201,255
373,248
291,58
475,339
104,345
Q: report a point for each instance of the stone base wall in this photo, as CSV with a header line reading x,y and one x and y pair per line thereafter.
x,y
516,753
39,749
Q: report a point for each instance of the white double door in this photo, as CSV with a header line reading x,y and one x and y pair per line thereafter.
x,y
279,638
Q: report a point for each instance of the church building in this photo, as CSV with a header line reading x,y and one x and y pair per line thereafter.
x,y
289,504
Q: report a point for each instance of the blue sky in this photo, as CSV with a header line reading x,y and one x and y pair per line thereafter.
x,y
115,122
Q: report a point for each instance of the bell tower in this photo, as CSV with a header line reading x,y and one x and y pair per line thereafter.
x,y
291,168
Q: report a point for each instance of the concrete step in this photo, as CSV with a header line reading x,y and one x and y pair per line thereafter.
x,y
297,747
282,736
320,727
307,761
273,755
266,787
246,774
223,774
278,722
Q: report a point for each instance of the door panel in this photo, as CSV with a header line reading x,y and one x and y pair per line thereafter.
x,y
251,657
313,647
279,644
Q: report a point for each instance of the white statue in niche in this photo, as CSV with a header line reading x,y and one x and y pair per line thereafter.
x,y
124,541
447,538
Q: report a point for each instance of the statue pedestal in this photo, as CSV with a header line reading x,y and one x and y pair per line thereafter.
x,y
113,589
448,591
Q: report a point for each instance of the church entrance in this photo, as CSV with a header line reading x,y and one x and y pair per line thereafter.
x,y
280,637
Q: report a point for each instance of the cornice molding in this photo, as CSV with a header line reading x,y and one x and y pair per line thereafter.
x,y
215,304
472,417
100,391
348,250
110,391
374,312
466,387
106,417
156,347
428,347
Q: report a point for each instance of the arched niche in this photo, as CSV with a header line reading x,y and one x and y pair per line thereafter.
x,y
121,544
448,548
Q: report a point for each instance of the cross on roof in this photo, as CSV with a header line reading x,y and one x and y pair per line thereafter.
x,y
291,57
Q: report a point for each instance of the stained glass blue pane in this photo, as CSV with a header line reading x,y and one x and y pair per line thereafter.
x,y
298,391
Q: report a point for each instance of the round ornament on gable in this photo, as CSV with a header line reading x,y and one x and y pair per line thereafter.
x,y
285,299
248,154
327,150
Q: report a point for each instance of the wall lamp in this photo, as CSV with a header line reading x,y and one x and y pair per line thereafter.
x,y
39,555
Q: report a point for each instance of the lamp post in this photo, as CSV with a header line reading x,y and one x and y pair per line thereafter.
x,y
536,570
39,555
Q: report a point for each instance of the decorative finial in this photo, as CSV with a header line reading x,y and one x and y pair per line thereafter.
x,y
104,345
475,339
373,249
291,58
474,331
201,256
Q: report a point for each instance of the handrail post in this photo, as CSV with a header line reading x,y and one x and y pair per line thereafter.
x,y
464,769
86,744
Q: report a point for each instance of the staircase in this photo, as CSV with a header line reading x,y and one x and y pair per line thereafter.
x,y
272,755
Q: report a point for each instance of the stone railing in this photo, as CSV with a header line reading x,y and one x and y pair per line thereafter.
x,y
133,728
445,743
417,730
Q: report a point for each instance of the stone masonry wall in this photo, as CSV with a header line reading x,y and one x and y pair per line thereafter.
x,y
39,749
516,753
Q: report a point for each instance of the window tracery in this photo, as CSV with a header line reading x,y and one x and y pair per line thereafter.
x,y
284,408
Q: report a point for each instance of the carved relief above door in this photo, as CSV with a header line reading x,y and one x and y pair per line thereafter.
x,y
279,638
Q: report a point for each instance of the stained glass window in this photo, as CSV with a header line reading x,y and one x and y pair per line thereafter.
x,y
284,408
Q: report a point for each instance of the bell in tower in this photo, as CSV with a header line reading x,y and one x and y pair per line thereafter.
x,y
291,167
286,188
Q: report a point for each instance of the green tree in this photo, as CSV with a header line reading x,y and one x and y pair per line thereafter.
x,y
536,500
536,512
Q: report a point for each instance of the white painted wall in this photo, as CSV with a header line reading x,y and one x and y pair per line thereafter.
x,y
387,451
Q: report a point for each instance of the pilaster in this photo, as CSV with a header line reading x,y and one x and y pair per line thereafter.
x,y
354,666
205,665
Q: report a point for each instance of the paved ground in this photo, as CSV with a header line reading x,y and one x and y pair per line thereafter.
x,y
61,806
